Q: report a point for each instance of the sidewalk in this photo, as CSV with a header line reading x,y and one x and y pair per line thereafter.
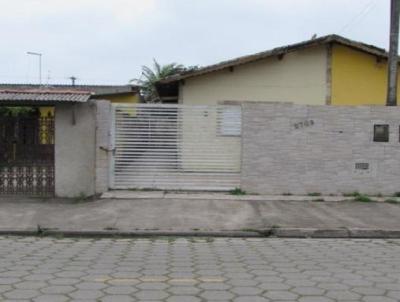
x,y
216,214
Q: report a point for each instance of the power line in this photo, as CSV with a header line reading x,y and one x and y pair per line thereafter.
x,y
363,13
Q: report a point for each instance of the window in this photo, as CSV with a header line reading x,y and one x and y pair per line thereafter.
x,y
381,133
230,121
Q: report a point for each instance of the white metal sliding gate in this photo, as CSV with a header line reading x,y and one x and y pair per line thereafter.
x,y
176,147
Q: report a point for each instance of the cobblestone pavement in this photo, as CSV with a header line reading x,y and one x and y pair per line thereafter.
x,y
190,270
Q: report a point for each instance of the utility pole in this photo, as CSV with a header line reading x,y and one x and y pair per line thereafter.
x,y
393,53
40,64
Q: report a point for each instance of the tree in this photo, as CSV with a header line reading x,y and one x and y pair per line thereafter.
x,y
150,76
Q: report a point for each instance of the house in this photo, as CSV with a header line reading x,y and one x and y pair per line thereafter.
x,y
329,70
127,94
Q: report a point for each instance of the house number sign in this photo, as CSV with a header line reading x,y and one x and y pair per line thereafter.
x,y
304,124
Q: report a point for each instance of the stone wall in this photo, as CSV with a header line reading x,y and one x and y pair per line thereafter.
x,y
301,149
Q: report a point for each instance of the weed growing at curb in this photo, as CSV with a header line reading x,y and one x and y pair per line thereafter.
x,y
392,201
82,197
249,230
352,194
318,200
397,194
110,228
363,198
237,192
314,194
287,194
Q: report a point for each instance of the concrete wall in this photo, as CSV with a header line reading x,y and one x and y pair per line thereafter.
x,y
103,145
301,149
75,151
299,77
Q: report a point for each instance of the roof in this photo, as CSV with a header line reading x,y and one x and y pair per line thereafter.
x,y
44,96
370,49
97,90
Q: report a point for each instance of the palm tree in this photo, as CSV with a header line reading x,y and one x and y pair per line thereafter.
x,y
150,77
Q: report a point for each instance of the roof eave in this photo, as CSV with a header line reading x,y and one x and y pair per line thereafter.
x,y
278,51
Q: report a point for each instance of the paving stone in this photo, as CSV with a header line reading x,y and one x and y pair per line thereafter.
x,y
246,291
152,285
378,299
216,295
315,299
274,286
21,294
51,298
251,299
120,290
184,290
117,298
280,295
371,291
393,294
86,294
30,285
231,270
342,295
183,299
90,285
308,291
151,295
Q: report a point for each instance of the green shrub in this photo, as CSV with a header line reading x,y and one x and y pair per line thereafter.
x,y
362,198
238,191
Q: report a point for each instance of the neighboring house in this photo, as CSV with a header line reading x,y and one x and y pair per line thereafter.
x,y
329,70
114,93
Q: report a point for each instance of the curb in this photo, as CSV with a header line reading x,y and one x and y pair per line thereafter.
x,y
341,233
132,195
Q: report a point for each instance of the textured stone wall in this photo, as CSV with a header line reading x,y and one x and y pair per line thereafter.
x,y
301,149
103,128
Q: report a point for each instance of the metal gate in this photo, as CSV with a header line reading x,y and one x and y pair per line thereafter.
x,y
176,147
26,155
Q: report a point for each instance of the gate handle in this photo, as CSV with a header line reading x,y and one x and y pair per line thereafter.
x,y
107,149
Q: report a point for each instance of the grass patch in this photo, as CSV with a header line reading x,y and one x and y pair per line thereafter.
x,y
352,194
314,194
363,198
237,192
397,194
318,200
392,200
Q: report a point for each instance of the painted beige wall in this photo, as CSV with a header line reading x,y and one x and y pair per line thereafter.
x,y
300,77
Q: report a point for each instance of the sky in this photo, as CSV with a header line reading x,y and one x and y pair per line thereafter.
x,y
108,41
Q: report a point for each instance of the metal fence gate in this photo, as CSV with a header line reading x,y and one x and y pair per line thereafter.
x,y
26,155
176,147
